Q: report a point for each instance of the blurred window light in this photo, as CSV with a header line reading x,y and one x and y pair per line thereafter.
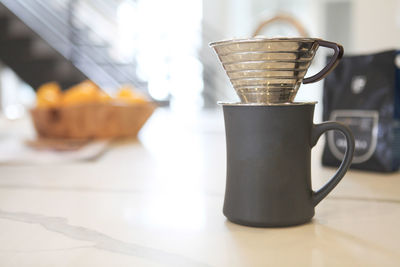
x,y
164,37
15,95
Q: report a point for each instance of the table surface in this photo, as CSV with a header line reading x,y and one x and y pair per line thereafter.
x,y
158,201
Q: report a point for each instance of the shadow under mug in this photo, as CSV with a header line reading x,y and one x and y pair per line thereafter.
x,y
269,163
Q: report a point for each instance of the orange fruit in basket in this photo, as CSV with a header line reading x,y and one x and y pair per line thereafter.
x,y
48,95
103,96
84,92
128,94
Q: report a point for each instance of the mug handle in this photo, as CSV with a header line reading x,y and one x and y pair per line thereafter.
x,y
317,131
338,54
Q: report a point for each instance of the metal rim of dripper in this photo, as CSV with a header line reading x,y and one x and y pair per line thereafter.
x,y
261,39
266,104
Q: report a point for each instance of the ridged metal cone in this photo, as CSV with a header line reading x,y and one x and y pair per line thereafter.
x,y
266,70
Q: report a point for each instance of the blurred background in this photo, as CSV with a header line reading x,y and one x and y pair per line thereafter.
x,y
161,47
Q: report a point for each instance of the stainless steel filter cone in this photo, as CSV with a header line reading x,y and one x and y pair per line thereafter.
x,y
271,70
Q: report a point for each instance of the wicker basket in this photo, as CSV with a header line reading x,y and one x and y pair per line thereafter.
x,y
289,20
100,120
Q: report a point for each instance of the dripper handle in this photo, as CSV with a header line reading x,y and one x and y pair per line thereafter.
x,y
338,53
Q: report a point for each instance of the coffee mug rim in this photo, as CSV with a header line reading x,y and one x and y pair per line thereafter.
x,y
263,39
285,104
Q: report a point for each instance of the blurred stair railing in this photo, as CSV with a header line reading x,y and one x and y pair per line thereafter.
x,y
56,23
59,24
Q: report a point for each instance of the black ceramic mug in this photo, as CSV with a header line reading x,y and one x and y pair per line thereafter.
x,y
269,163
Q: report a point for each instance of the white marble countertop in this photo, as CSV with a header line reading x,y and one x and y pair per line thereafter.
x,y
158,202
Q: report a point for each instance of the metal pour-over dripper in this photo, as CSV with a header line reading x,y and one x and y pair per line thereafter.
x,y
271,70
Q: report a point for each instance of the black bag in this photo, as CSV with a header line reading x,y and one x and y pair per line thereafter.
x,y
363,92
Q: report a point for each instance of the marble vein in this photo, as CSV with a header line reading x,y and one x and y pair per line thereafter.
x,y
101,241
70,189
366,199
44,250
85,189
136,191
